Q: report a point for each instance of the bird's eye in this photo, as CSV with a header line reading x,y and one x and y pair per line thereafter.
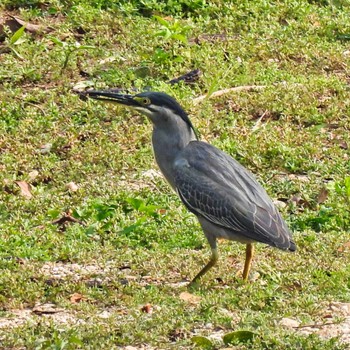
x,y
146,101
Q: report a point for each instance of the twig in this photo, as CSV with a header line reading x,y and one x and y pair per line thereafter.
x,y
320,325
67,218
226,91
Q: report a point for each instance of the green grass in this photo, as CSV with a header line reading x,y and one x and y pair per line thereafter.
x,y
293,134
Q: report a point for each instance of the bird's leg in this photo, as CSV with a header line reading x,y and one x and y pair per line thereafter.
x,y
214,258
249,252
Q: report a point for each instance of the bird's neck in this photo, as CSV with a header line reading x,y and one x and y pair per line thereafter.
x,y
167,146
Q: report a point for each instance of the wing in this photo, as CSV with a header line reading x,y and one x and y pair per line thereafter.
x,y
213,185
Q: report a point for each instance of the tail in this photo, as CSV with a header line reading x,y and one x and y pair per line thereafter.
x,y
292,247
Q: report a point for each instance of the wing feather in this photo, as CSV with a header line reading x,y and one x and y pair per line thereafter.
x,y
214,186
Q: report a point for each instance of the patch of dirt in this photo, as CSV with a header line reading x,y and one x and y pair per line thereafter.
x,y
40,313
336,324
76,272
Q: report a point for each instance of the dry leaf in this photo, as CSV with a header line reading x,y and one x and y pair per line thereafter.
x,y
76,298
148,309
13,23
46,309
345,247
67,218
72,186
32,28
322,196
25,189
190,298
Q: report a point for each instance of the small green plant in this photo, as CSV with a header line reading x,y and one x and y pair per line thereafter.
x,y
16,39
69,48
172,30
343,188
104,214
148,210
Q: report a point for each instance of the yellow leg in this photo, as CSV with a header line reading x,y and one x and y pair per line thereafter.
x,y
214,258
249,252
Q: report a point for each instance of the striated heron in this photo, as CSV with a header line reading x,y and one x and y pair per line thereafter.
x,y
226,198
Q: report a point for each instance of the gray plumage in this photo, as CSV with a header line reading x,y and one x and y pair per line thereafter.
x,y
217,188
226,198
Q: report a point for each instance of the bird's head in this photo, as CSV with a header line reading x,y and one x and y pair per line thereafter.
x,y
159,107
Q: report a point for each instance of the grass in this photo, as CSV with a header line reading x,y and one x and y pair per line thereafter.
x,y
129,226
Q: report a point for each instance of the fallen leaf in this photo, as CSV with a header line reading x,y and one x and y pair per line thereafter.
x,y
190,298
148,309
76,298
32,28
344,247
322,196
67,218
72,186
25,189
46,309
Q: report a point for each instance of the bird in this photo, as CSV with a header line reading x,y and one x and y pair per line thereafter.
x,y
226,197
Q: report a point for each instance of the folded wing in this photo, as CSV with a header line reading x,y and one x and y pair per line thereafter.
x,y
214,186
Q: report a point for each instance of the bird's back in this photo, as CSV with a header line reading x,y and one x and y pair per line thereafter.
x,y
216,187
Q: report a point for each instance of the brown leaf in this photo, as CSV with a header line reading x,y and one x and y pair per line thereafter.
x,y
67,218
190,298
25,189
32,28
322,196
148,309
345,247
76,298
46,309
71,186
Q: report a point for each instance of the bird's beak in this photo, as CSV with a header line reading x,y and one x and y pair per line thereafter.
x,y
110,96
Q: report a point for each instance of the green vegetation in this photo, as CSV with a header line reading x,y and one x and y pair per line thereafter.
x,y
87,227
